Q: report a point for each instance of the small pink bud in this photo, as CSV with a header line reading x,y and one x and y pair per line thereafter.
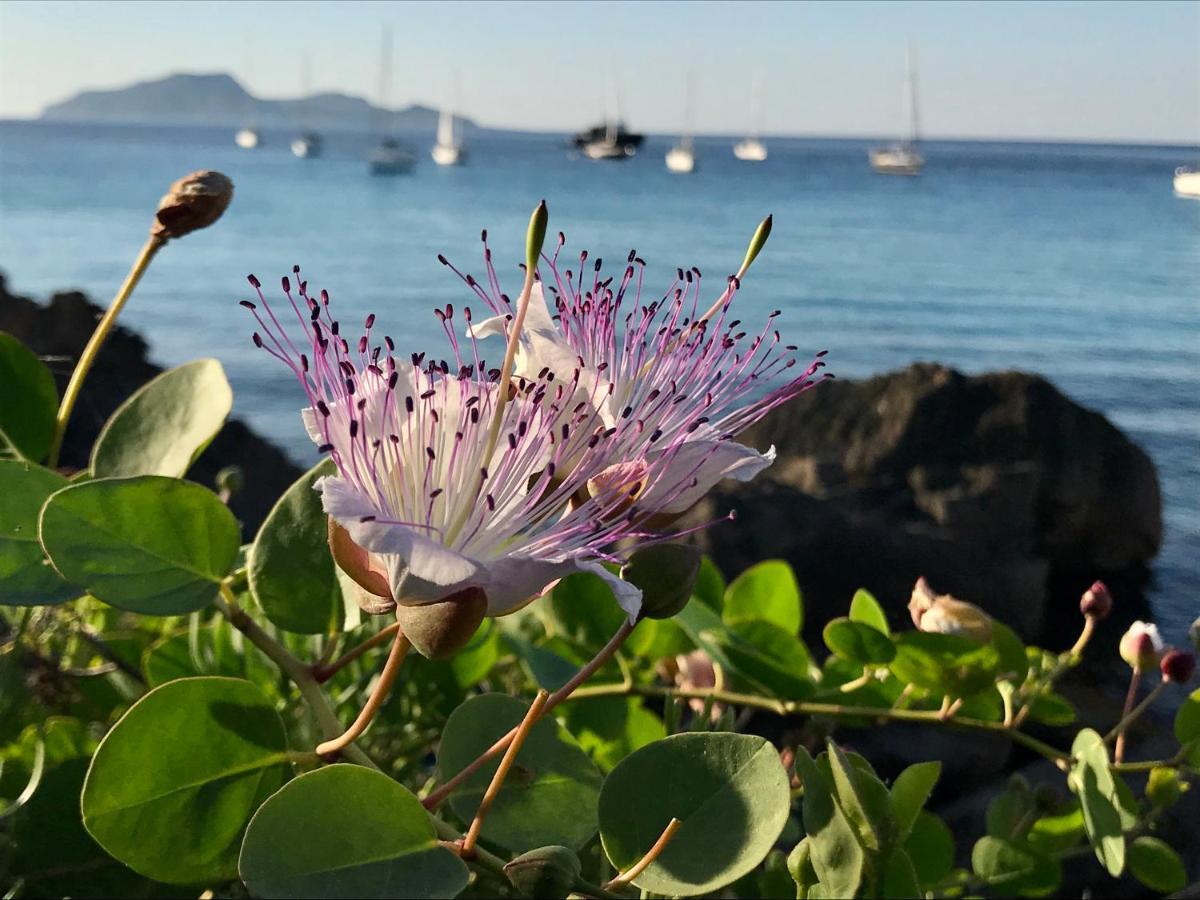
x,y
1177,666
1141,646
1096,602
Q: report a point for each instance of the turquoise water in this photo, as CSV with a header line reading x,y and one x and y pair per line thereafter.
x,y
1076,262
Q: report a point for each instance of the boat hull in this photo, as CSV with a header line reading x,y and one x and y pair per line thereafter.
x,y
391,159
681,160
247,139
306,147
609,150
448,154
750,150
1187,183
897,161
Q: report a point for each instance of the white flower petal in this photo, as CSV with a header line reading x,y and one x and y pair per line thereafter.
x,y
705,463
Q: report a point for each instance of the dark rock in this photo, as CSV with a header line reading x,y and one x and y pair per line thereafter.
x,y
58,331
996,487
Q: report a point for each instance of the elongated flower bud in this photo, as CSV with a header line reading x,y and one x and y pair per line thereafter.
x,y
761,233
944,614
1096,602
439,630
666,573
536,236
1141,646
193,202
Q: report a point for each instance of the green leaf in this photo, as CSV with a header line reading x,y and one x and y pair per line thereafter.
x,y
474,662
166,424
216,649
710,585
1187,719
837,856
1013,659
150,545
766,592
291,571
944,663
1156,865
865,608
800,867
899,877
1056,833
863,798
769,656
552,773
26,576
909,793
1015,868
610,728
655,639
859,643
1092,780
1052,709
346,831
730,791
930,846
173,784
28,400
583,610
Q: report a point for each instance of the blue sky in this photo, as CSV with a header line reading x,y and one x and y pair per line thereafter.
x,y
1092,71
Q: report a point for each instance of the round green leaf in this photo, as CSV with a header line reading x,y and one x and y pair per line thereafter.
x,y
610,728
28,400
346,831
291,571
930,846
166,424
216,649
710,585
767,592
173,784
1093,781
859,643
26,576
1015,868
866,609
909,793
769,656
552,775
1156,865
1187,720
729,790
151,545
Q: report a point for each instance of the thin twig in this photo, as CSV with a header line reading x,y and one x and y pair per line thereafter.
x,y
1119,732
330,749
324,671
506,763
651,855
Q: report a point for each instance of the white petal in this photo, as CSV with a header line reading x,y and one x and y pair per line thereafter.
x,y
702,462
629,596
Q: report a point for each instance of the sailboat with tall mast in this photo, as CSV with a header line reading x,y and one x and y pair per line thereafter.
x,y
609,140
248,137
389,156
449,149
751,148
309,143
682,157
903,157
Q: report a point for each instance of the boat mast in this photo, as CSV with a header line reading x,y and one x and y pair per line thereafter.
x,y
385,83
756,105
689,111
910,95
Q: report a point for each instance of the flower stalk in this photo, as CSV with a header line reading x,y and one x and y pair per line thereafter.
x,y
652,854
330,749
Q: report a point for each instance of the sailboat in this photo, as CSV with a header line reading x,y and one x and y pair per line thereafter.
x,y
750,148
309,143
1187,182
449,149
682,157
389,156
609,140
248,137
903,158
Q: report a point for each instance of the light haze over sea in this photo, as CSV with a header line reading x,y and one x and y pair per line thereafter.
x,y
1073,261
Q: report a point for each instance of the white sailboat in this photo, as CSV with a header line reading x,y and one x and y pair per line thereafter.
x,y
247,136
610,140
682,157
389,156
1187,182
449,149
903,157
751,148
309,143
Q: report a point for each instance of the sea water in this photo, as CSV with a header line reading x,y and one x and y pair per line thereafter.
x,y
1074,261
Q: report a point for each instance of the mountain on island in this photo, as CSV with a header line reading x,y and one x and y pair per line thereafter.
x,y
218,99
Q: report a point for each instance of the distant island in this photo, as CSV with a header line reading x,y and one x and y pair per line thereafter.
x,y
218,99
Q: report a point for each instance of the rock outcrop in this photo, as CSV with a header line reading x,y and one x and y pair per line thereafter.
x,y
996,487
58,331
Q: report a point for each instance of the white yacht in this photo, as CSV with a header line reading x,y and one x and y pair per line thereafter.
x,y
308,144
750,148
682,157
449,149
1187,182
903,157
247,138
389,156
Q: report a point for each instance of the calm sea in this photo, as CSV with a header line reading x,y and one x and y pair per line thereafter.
x,y
1074,261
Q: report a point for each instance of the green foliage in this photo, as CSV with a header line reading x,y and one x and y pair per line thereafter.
x,y
166,424
26,576
860,643
1093,782
766,592
152,545
1156,865
346,831
728,790
291,571
28,401
172,786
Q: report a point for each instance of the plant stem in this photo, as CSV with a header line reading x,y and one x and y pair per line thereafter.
x,y
330,749
436,798
88,357
506,763
323,672
1135,679
781,707
1132,715
651,855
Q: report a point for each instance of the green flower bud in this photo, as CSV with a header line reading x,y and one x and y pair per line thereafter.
x,y
439,630
667,574
536,236
230,481
1163,787
545,872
